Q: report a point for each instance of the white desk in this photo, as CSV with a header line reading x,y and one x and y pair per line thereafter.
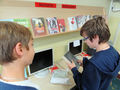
x,y
44,83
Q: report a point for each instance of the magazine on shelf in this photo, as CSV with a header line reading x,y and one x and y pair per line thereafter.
x,y
61,25
10,20
68,57
72,23
52,25
38,26
81,19
88,17
23,21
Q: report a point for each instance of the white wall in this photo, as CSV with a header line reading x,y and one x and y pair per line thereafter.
x,y
114,21
99,3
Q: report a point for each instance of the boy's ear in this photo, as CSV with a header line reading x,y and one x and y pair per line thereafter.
x,y
96,37
19,49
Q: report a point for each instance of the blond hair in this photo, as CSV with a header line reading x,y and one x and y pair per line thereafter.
x,y
10,34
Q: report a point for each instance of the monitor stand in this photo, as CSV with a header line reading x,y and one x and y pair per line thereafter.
x,y
42,74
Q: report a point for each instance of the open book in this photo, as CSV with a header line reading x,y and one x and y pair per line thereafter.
x,y
68,57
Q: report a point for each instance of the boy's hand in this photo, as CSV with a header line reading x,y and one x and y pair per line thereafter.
x,y
71,65
81,62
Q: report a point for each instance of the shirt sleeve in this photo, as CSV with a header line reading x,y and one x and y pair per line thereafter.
x,y
90,77
77,77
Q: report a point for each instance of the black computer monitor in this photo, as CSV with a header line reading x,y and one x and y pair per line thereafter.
x,y
42,60
75,49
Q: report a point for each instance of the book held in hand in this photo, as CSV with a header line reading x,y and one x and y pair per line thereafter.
x,y
69,57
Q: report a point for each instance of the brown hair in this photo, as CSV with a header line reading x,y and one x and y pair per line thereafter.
x,y
10,34
96,26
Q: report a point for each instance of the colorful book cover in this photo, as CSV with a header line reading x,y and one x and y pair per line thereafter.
x,y
72,23
52,25
79,21
61,25
88,17
82,19
23,21
38,26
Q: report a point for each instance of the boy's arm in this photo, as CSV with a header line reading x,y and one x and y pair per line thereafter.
x,y
77,77
90,77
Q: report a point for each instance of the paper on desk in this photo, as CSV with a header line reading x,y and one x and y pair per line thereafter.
x,y
60,77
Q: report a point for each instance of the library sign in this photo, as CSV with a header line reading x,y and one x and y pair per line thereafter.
x,y
54,5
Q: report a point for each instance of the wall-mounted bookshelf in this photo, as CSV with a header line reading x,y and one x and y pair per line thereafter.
x,y
29,10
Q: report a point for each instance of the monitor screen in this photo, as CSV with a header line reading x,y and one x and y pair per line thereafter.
x,y
42,60
75,47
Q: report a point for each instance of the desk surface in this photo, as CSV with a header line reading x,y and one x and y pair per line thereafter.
x,y
44,83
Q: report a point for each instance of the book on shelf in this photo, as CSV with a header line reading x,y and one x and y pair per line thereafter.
x,y
61,25
23,21
88,17
69,57
81,19
10,20
72,23
38,26
52,25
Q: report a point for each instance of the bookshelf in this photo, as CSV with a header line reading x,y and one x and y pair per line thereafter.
x,y
20,9
24,9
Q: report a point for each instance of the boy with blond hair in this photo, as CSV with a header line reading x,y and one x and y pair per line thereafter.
x,y
16,52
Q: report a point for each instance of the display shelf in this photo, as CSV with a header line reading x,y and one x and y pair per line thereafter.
x,y
24,9
60,33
